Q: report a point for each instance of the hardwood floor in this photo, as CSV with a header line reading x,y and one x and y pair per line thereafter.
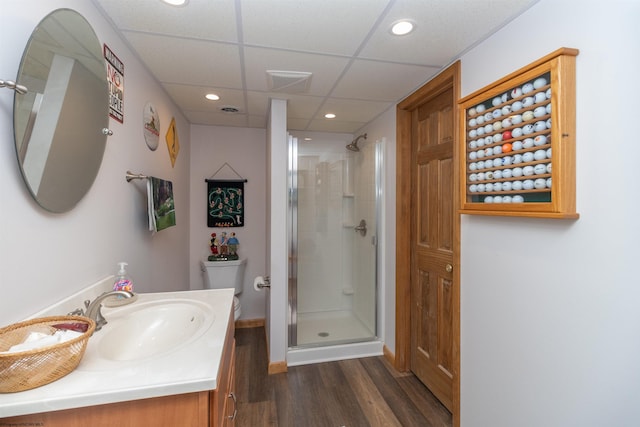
x,y
351,393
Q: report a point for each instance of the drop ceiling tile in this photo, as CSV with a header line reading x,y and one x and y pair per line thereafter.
x,y
216,119
258,122
192,97
327,26
174,60
326,69
322,125
353,110
381,81
443,30
206,19
297,124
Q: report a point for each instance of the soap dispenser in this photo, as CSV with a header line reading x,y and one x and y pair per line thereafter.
x,y
123,281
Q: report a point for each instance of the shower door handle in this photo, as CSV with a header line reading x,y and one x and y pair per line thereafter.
x,y
362,227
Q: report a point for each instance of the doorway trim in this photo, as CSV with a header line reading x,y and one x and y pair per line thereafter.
x,y
448,78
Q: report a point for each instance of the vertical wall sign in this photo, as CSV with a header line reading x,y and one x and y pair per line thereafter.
x,y
115,78
173,143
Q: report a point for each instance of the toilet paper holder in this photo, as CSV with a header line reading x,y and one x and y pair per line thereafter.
x,y
261,282
266,284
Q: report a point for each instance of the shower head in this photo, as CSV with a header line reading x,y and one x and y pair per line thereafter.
x,y
353,146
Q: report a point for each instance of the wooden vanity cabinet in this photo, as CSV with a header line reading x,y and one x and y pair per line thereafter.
x,y
213,408
223,400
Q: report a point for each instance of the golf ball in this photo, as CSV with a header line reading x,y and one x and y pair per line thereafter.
x,y
527,184
527,87
527,115
517,199
539,140
539,82
540,155
516,185
527,157
539,169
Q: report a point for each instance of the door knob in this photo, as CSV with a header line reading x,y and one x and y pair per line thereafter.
x,y
448,268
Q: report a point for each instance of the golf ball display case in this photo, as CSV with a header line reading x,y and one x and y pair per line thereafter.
x,y
517,155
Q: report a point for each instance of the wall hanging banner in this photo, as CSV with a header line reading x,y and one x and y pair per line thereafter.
x,y
115,79
225,203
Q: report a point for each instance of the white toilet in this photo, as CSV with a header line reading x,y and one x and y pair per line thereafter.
x,y
225,274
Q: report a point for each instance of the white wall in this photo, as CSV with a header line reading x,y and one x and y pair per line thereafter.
x,y
277,252
550,318
245,150
45,257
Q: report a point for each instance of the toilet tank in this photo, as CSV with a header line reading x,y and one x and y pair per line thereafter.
x,y
224,274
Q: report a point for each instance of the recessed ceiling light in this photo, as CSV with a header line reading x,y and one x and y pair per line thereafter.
x,y
212,97
307,139
403,27
175,2
330,116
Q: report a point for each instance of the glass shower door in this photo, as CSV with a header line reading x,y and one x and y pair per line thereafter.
x,y
333,244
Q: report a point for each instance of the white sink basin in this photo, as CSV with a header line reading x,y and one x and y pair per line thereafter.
x,y
144,330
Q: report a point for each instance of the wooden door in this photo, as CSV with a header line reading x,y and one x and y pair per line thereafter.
x,y
432,244
426,200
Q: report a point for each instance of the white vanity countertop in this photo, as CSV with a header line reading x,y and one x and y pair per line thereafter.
x,y
192,367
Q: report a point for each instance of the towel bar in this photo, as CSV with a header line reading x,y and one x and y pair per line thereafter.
x,y
130,175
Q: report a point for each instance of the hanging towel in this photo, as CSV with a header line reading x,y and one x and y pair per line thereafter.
x,y
160,205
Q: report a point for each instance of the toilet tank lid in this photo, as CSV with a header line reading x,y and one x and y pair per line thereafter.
x,y
224,263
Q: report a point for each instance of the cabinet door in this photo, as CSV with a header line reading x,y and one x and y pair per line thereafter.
x,y
231,404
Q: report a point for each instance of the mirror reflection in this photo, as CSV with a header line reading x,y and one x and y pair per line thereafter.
x,y
59,122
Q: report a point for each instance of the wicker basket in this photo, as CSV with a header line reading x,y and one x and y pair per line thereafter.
x,y
33,368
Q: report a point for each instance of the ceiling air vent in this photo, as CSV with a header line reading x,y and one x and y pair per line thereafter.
x,y
229,109
288,81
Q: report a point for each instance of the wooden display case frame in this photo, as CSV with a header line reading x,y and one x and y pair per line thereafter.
x,y
558,201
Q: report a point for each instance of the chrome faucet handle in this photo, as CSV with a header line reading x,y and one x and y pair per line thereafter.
x,y
94,307
76,312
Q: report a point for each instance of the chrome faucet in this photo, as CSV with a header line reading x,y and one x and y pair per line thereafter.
x,y
94,307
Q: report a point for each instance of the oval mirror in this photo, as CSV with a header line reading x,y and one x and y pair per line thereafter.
x,y
58,124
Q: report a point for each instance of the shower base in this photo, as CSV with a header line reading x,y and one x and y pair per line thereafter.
x,y
334,335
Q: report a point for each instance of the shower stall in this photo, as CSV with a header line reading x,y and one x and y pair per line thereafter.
x,y
334,206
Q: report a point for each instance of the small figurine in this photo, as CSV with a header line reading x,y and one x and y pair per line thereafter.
x,y
223,243
213,244
233,244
